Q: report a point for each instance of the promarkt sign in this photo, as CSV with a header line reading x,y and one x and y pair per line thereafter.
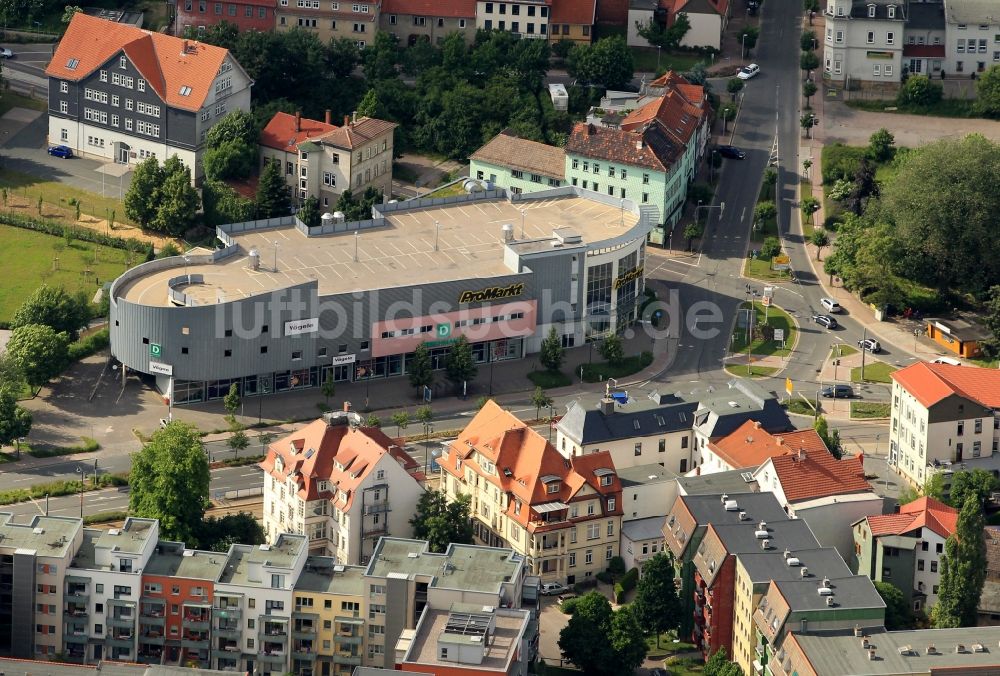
x,y
629,276
492,293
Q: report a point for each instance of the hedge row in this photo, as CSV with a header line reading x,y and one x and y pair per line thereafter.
x,y
89,445
626,584
82,234
89,345
58,488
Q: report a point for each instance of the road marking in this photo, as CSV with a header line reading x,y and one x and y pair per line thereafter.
x,y
743,214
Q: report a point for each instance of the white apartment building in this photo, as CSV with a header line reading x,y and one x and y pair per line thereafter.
x,y
863,41
342,485
321,160
562,515
526,19
943,417
972,36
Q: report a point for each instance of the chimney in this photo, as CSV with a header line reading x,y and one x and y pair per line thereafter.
x,y
298,121
638,144
591,130
347,120
347,407
607,406
326,116
354,117
756,424
779,441
802,453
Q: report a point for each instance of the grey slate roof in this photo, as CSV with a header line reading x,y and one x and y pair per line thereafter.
x,y
644,474
771,565
591,426
783,535
644,529
722,411
852,591
717,483
708,509
859,9
841,653
925,16
972,11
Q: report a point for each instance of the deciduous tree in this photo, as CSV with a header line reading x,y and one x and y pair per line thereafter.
x,y
584,639
53,306
401,420
420,369
142,197
309,212
459,365
178,203
819,239
881,146
552,352
808,61
38,352
666,37
607,62
734,86
627,641
540,400
612,349
15,421
808,91
977,484
658,607
440,522
169,481
830,437
719,665
273,198
219,534
897,611
963,570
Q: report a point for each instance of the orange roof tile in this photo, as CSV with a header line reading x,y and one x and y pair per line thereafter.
x,y
168,63
358,133
815,473
341,454
449,8
931,383
525,464
921,513
280,133
750,445
581,12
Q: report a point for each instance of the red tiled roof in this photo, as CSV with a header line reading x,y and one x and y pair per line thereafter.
x,y
280,132
459,9
525,463
931,383
507,149
750,445
679,117
721,7
166,62
921,513
815,473
582,12
354,134
651,147
936,51
312,454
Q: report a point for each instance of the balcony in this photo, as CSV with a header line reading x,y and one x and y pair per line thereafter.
x,y
347,639
150,655
304,652
227,663
121,621
151,621
274,627
377,507
76,593
272,657
123,640
352,659
75,610
227,630
77,636
227,612
152,638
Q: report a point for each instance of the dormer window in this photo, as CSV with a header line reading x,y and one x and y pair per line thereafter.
x,y
185,90
891,11
123,63
871,11
324,486
279,464
606,480
552,487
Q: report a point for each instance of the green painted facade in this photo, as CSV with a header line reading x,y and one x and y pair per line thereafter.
x,y
513,180
885,559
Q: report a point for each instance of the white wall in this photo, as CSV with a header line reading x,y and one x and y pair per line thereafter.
x,y
678,447
705,31
928,577
648,500
643,16
635,553
830,518
969,60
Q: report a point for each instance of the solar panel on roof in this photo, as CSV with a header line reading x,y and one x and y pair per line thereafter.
x,y
310,453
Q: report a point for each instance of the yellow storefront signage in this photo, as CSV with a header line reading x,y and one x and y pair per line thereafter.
x,y
626,277
491,293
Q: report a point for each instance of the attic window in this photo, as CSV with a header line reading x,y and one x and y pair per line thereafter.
x,y
72,64
606,480
185,90
552,487
635,424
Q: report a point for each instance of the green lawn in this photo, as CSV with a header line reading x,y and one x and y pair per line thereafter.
x,y
754,371
600,371
645,60
876,372
869,409
842,351
945,108
777,319
28,260
447,191
801,406
11,100
31,187
760,268
667,645
549,379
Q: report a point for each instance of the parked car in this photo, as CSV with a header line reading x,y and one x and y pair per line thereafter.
x,y
553,588
64,152
6,53
747,72
838,392
946,360
732,152
870,345
566,597
825,320
830,304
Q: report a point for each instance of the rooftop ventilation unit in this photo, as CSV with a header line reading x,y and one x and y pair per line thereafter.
x,y
825,591
731,506
761,534
792,561
743,516
765,544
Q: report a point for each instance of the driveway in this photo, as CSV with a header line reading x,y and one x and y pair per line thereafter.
x,y
25,149
844,124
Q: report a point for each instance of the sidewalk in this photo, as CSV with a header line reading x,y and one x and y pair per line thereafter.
x,y
889,331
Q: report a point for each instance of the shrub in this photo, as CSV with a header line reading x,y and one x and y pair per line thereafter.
x,y
770,248
104,517
583,586
699,192
605,577
89,345
82,234
841,162
569,605
616,566
919,90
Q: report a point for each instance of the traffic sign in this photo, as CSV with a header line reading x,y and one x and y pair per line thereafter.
x,y
788,385
155,350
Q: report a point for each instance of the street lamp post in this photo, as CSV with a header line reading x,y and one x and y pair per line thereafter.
x,y
743,47
83,477
658,58
428,428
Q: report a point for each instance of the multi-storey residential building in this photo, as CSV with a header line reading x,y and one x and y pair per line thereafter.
x,y
688,522
971,30
572,20
864,41
657,430
924,51
180,621
404,578
341,484
106,576
123,94
808,606
943,415
468,640
715,572
905,548
828,494
412,20
38,608
563,515
247,15
642,539
357,21
324,164
328,623
754,574
256,585
526,18
751,445
510,162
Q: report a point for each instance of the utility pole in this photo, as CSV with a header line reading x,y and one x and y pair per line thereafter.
x,y
864,337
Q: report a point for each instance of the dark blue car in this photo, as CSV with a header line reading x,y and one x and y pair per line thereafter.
x,y
64,152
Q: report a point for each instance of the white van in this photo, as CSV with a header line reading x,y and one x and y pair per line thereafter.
x,y
947,360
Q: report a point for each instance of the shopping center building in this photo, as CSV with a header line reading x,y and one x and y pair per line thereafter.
x,y
278,306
